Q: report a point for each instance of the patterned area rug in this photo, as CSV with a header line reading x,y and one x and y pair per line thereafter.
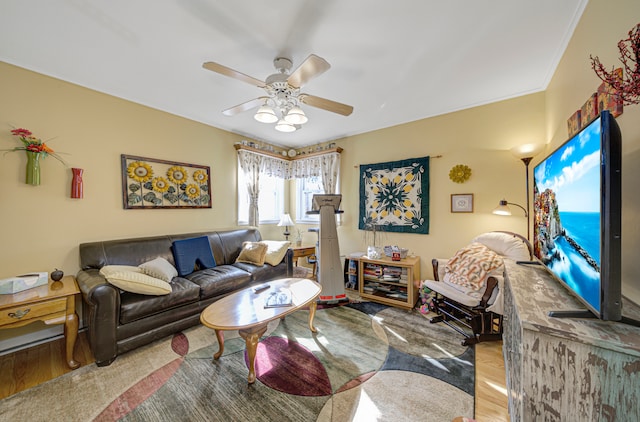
x,y
367,362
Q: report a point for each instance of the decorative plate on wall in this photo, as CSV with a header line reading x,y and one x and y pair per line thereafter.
x,y
460,173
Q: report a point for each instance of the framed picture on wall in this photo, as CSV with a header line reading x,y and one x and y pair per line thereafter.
x,y
149,183
462,202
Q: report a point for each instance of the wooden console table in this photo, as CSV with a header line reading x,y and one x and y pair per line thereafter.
x,y
54,303
561,368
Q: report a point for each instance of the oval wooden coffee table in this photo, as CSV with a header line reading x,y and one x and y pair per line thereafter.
x,y
244,311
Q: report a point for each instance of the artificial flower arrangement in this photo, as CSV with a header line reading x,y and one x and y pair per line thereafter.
x,y
35,148
33,144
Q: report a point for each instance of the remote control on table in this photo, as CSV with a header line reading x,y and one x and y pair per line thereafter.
x,y
261,287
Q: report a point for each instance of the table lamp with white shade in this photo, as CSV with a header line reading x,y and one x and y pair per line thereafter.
x,y
286,222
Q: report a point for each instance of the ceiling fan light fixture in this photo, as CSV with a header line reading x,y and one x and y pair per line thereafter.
x,y
265,114
284,126
296,116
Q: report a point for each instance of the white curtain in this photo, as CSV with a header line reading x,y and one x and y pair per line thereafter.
x,y
275,167
250,164
330,168
326,166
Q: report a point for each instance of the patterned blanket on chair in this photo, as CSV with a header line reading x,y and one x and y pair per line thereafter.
x,y
470,266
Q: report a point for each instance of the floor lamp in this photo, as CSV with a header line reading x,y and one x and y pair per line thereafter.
x,y
526,153
503,209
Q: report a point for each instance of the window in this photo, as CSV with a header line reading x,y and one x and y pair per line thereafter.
x,y
305,189
270,202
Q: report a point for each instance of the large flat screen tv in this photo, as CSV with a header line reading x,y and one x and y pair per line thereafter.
x,y
577,217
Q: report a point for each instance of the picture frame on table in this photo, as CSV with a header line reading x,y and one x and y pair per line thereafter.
x,y
462,202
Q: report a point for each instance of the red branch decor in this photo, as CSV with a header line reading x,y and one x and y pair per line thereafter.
x,y
627,89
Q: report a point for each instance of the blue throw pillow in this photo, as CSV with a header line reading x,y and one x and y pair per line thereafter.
x,y
192,254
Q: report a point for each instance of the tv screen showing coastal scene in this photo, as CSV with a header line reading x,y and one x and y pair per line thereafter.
x,y
567,206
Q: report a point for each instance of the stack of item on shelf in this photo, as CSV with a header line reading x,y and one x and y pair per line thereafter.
x,y
395,274
352,275
382,280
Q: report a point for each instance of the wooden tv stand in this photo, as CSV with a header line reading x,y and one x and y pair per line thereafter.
x,y
564,368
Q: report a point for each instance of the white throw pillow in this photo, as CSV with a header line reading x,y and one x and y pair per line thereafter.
x,y
276,250
159,268
137,282
110,269
505,244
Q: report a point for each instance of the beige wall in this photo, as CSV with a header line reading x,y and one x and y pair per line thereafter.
x,y
603,24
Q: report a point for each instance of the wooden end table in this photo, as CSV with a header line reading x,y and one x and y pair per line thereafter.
x,y
54,303
305,251
244,311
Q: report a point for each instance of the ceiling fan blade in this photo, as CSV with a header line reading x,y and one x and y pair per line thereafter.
x,y
312,66
244,106
226,71
325,104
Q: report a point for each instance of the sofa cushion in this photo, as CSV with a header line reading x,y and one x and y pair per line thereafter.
x,y
468,297
219,280
276,250
253,253
134,307
159,268
192,254
137,282
263,272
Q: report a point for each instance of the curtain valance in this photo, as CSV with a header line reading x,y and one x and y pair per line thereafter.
x,y
325,165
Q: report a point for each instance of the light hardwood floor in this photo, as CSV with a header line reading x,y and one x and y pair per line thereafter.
x,y
27,368
491,387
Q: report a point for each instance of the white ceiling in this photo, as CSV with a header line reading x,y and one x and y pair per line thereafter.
x,y
393,61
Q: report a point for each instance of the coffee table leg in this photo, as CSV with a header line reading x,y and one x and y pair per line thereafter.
x,y
251,337
220,337
312,314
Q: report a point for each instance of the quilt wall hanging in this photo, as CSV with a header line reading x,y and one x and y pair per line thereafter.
x,y
394,196
148,183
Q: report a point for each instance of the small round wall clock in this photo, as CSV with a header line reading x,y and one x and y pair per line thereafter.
x,y
460,173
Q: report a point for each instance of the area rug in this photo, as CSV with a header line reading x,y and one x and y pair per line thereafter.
x,y
368,362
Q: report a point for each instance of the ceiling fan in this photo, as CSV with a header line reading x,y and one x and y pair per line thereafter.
x,y
283,93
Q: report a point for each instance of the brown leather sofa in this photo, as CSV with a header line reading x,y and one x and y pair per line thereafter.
x,y
120,321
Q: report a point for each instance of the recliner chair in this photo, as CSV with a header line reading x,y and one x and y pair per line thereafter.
x,y
474,309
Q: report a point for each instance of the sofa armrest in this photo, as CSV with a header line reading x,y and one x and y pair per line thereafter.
x,y
101,302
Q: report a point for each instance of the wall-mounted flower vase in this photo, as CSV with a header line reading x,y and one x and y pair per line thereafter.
x,y
76,183
33,168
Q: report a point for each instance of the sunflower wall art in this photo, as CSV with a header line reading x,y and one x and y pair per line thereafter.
x,y
394,196
460,173
149,183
